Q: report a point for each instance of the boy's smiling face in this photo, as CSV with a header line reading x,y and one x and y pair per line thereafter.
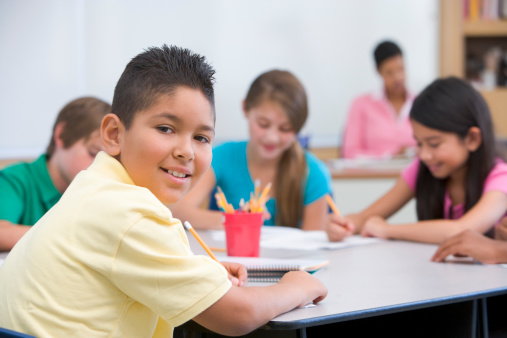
x,y
168,146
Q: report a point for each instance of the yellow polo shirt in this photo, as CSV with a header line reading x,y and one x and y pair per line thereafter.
x,y
106,261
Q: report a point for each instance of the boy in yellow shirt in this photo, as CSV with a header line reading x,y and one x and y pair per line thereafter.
x,y
109,258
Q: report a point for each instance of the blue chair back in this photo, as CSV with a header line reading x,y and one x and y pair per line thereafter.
x,y
10,333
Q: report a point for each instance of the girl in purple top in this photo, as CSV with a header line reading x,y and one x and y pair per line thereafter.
x,y
458,180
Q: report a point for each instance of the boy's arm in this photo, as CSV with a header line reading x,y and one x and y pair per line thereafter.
x,y
189,208
10,234
242,310
475,245
490,208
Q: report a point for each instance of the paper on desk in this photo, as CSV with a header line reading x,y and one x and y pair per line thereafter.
x,y
1,262
277,237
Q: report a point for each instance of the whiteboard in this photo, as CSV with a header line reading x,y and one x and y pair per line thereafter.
x,y
53,51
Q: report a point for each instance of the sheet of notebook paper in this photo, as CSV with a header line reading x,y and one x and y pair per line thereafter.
x,y
277,237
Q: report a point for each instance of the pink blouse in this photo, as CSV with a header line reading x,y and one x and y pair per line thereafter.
x,y
373,128
496,181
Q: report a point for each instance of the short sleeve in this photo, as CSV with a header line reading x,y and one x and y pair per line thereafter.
x,y
11,199
155,266
319,179
409,174
497,179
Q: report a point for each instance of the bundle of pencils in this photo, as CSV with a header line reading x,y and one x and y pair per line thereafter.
x,y
255,204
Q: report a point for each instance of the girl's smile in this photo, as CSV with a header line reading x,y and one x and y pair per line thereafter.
x,y
271,132
444,153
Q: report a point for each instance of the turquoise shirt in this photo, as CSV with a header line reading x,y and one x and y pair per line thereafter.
x,y
232,175
26,192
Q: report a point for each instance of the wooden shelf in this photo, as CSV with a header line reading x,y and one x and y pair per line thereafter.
x,y
497,102
485,28
454,31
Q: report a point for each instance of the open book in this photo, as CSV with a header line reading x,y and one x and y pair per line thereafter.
x,y
272,269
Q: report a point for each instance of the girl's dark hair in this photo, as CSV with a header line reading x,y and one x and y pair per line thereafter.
x,y
452,105
159,71
285,89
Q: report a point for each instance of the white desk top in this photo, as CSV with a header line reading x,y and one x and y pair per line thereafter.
x,y
381,278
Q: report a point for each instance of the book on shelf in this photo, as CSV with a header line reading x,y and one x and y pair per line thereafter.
x,y
484,9
271,270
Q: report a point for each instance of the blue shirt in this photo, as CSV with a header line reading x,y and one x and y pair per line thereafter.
x,y
231,172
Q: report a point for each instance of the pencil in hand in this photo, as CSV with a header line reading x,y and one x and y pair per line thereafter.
x,y
189,227
332,205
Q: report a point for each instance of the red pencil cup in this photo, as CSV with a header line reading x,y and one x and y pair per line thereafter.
x,y
243,233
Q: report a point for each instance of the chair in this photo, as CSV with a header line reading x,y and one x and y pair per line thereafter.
x,y
9,333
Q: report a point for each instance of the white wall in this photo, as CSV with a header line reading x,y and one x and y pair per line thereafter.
x,y
52,51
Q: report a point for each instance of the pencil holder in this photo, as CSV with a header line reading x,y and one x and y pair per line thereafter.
x,y
243,233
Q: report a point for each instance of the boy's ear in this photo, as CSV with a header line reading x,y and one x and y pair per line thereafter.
x,y
57,135
243,106
111,132
473,140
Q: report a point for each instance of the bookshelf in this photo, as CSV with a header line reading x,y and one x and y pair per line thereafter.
x,y
459,38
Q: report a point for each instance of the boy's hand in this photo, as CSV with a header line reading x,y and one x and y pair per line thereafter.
x,y
338,227
237,273
501,230
468,243
311,289
375,226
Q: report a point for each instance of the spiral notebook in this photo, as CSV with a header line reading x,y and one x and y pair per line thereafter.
x,y
270,270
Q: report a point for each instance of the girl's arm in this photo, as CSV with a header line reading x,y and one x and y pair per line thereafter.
x,y
315,215
490,208
191,207
338,227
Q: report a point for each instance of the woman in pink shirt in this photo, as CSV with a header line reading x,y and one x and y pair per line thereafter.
x,y
458,180
378,124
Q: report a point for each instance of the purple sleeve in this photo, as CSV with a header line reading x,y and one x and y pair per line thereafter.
x,y
409,174
497,178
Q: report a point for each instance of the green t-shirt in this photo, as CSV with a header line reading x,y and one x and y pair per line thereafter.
x,y
26,192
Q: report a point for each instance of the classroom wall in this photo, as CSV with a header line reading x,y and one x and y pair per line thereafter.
x,y
53,51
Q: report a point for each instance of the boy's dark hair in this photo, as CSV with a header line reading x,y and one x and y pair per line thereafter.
x,y
385,50
81,117
159,71
452,105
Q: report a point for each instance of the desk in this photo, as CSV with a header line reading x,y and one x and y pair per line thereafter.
x,y
387,288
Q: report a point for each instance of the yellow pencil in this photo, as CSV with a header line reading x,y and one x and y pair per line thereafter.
x,y
264,194
257,188
227,206
332,205
192,230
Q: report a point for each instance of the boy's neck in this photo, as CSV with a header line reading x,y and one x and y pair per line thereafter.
x,y
56,174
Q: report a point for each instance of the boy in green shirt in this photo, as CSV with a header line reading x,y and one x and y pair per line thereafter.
x,y
29,190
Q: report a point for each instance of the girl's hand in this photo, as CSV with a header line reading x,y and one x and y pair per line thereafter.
x,y
375,226
338,227
237,273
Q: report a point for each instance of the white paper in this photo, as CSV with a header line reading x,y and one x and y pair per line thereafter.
x,y
277,237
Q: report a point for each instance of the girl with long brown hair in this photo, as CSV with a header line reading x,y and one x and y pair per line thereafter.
x,y
276,108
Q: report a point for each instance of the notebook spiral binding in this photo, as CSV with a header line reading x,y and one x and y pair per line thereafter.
x,y
269,274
